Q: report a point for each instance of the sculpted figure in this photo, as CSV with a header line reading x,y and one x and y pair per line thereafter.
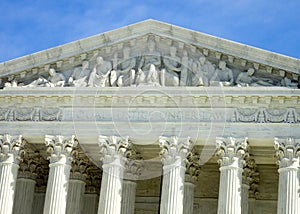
x,y
80,75
100,73
149,65
207,67
223,76
287,82
199,75
248,79
185,65
170,74
125,73
54,80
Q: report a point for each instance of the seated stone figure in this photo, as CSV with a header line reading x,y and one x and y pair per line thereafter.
x,y
287,82
149,66
248,79
223,76
100,73
123,73
80,75
54,80
172,68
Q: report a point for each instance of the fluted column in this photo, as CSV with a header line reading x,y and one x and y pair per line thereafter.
x,y
26,183
191,176
288,153
231,152
113,150
91,196
10,150
60,149
249,184
77,183
174,153
133,167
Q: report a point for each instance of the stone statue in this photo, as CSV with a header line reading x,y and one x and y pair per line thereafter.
x,y
80,75
207,67
170,74
124,71
100,73
248,79
223,76
185,65
149,65
287,82
54,80
198,75
245,78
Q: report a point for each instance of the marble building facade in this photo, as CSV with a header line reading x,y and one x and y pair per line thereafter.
x,y
150,118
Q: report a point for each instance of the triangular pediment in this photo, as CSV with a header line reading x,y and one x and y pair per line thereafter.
x,y
141,54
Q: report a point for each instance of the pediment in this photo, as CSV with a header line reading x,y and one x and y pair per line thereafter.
x,y
151,53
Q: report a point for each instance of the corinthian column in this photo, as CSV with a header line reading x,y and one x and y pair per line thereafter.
x,y
133,166
77,183
10,150
113,150
60,149
26,183
174,153
191,176
288,153
231,152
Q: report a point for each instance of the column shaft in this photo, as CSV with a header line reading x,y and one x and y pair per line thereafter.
x,y
111,190
8,177
188,202
172,190
245,199
90,204
230,190
128,197
288,191
75,197
57,189
38,203
24,196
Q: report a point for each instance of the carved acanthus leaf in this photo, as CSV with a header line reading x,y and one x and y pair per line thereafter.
x,y
60,148
112,146
193,166
251,177
287,152
231,151
174,149
11,148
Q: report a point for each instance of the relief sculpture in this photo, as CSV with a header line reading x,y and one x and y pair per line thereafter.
x,y
152,63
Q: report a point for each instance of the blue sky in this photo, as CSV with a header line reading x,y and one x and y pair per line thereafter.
x,y
28,26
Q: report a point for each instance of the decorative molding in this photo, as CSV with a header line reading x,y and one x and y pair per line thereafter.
x,y
230,150
60,148
30,114
30,165
266,115
287,152
11,148
174,149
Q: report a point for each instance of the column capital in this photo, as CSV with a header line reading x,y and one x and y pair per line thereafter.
x,y
60,148
287,152
174,149
114,148
251,177
11,148
231,151
93,180
133,165
79,165
29,165
192,167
